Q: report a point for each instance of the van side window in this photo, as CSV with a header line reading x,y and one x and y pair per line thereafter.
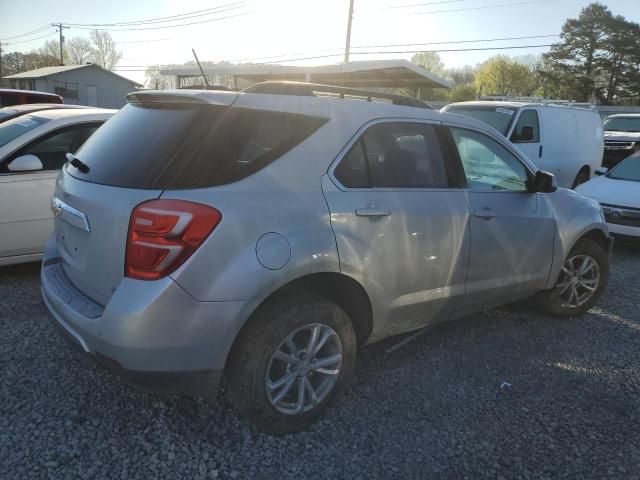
x,y
397,155
527,130
488,166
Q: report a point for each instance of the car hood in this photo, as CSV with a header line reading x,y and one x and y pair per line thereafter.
x,y
624,193
622,136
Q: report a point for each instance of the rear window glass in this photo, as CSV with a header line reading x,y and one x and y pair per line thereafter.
x,y
176,146
12,129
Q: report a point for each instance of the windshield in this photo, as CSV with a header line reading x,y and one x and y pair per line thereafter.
x,y
628,169
622,124
498,117
12,129
7,112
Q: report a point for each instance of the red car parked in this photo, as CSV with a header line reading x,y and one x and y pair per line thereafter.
x,y
10,96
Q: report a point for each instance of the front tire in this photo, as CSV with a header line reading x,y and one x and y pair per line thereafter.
x,y
582,177
292,359
581,283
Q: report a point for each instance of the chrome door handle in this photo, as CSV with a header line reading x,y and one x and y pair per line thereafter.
x,y
485,214
372,211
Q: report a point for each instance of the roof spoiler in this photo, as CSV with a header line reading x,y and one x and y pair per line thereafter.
x,y
304,89
203,97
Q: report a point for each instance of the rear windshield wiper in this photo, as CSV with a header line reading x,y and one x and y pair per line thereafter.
x,y
76,162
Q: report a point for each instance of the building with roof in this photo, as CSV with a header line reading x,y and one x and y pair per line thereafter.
x,y
78,84
360,74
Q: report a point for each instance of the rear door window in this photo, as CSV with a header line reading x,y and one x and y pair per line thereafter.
x,y
395,155
177,146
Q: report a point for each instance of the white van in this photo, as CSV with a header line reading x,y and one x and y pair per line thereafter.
x,y
564,140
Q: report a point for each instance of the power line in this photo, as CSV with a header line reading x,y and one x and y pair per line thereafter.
x,y
32,40
171,18
484,7
37,30
440,50
410,5
166,26
393,45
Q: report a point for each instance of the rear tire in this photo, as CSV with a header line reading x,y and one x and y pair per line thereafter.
x,y
263,363
585,268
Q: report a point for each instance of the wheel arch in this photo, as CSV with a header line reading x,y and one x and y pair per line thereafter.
x,y
337,287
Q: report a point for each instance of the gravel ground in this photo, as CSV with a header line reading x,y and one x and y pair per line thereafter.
x,y
438,407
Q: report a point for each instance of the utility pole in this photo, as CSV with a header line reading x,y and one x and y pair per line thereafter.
x,y
348,45
0,62
60,28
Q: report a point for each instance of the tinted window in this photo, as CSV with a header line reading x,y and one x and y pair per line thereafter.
x,y
352,171
488,166
498,117
189,146
404,155
622,124
52,148
398,155
528,118
12,129
7,99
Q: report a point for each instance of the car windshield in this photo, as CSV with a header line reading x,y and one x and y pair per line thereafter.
x,y
498,117
628,169
622,124
7,112
12,129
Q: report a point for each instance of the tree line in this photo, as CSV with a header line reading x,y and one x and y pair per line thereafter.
x,y
596,60
99,48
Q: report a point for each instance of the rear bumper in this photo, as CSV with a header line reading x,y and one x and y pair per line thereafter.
x,y
153,334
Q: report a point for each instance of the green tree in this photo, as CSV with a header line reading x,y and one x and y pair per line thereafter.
x,y
432,63
598,56
502,75
17,62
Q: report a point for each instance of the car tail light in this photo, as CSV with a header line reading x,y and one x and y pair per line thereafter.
x,y
163,234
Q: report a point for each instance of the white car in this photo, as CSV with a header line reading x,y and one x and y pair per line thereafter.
x,y
33,147
618,191
565,140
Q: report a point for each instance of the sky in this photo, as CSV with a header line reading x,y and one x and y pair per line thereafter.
x,y
290,31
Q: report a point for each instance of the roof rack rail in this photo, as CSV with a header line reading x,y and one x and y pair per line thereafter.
x,y
317,90
543,100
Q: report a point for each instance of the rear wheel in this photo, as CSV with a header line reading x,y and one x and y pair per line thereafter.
x,y
582,280
291,360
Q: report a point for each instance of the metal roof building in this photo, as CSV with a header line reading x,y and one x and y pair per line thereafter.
x,y
87,84
362,74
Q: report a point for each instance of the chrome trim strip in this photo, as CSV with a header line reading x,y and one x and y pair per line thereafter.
x,y
69,214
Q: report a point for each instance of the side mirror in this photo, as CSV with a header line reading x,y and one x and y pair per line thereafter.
x,y
25,163
543,182
525,134
601,171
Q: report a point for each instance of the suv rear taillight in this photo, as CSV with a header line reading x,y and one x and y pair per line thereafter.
x,y
163,234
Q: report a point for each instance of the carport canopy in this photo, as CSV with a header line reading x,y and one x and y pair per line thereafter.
x,y
362,74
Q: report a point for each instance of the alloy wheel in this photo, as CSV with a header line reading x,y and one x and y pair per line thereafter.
x,y
303,369
579,281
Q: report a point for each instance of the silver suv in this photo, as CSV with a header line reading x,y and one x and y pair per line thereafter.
x,y
262,236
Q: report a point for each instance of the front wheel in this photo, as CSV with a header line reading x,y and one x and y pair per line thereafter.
x,y
292,359
581,283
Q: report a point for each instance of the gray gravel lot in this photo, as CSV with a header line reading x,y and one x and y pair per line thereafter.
x,y
432,409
